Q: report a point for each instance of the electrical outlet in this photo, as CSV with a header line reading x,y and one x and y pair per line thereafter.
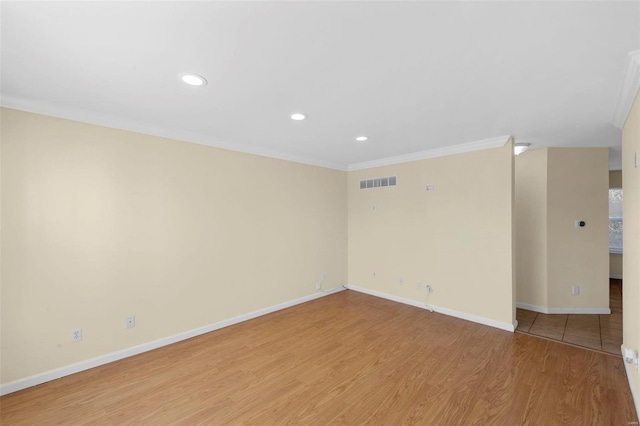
x,y
324,276
401,281
76,334
429,288
419,284
373,208
575,290
374,275
131,322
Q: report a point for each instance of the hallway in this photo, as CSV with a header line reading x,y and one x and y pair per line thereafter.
x,y
599,332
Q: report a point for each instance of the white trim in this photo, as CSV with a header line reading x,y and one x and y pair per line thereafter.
x,y
615,276
84,116
634,393
628,90
145,347
533,308
615,251
545,310
469,317
433,153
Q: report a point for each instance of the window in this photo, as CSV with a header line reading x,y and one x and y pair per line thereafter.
x,y
615,220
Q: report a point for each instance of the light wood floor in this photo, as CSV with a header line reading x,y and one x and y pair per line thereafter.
x,y
600,332
347,358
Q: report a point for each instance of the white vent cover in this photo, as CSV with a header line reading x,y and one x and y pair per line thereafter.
x,y
378,182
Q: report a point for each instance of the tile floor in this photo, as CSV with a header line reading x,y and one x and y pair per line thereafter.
x,y
601,332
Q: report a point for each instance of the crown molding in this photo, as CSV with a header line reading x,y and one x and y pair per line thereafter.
x,y
629,89
38,107
104,120
433,153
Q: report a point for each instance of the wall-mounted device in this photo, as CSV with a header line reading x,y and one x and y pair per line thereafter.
x,y
630,356
580,223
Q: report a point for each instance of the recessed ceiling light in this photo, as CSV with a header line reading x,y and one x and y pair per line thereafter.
x,y
193,79
298,116
361,138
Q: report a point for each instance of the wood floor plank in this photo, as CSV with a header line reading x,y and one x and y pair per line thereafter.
x,y
347,358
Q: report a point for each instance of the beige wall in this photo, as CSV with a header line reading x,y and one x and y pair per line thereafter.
x,y
458,238
531,227
615,178
631,235
99,224
615,265
554,188
615,260
578,185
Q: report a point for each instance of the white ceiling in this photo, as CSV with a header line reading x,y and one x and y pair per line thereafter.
x,y
412,76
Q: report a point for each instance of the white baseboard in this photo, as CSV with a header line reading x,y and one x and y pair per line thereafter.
x,y
469,317
634,393
545,310
145,347
615,276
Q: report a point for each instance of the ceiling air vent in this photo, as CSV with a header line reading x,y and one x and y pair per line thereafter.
x,y
378,182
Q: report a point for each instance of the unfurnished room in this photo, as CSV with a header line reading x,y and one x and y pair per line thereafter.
x,y
319,212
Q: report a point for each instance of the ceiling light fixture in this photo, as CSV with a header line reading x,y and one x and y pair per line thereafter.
x,y
298,116
361,138
192,79
519,148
